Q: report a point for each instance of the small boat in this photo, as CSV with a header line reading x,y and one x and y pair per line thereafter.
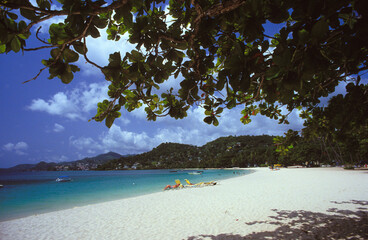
x,y
63,179
1,186
196,173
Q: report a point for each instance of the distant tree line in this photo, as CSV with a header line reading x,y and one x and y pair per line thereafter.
x,y
294,148
244,151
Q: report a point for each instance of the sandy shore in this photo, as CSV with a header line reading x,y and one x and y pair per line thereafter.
x,y
322,203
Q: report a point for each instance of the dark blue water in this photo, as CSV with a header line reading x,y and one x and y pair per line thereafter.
x,y
28,193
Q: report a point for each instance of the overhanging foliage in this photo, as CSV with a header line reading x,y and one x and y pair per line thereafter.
x,y
218,49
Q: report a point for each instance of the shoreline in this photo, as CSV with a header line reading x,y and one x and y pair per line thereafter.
x,y
264,203
132,187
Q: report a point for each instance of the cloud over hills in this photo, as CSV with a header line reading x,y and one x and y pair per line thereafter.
x,y
18,148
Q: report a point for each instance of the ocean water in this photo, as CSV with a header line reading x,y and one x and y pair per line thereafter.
x,y
29,193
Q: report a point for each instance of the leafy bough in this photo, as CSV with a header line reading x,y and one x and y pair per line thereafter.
x,y
218,50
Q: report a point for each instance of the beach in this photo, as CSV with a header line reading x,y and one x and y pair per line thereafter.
x,y
300,203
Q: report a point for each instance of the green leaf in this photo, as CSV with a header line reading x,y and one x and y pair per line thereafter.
x,y
70,55
22,25
54,52
320,29
215,122
15,44
278,15
29,14
79,47
231,104
303,36
22,36
136,56
245,82
283,59
44,4
109,120
122,100
66,77
115,59
123,14
273,72
12,15
155,99
93,31
3,35
182,46
219,110
208,112
74,68
100,22
2,48
208,120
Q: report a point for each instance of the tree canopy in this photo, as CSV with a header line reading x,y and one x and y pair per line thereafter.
x,y
219,50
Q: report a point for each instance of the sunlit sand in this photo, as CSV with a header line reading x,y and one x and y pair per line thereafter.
x,y
316,203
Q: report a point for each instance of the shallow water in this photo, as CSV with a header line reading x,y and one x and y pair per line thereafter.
x,y
28,193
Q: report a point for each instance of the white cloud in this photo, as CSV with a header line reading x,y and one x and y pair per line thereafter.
x,y
197,132
123,120
84,143
58,128
91,95
59,104
99,50
63,158
75,104
191,130
18,148
57,158
117,138
91,152
8,147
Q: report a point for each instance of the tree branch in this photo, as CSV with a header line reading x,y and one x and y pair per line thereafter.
x,y
35,22
224,7
56,59
111,104
85,55
38,31
53,13
82,35
258,91
38,74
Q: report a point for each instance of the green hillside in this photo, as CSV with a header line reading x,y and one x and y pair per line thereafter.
x,y
242,151
83,164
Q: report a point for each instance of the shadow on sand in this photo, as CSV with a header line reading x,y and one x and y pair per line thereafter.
x,y
339,224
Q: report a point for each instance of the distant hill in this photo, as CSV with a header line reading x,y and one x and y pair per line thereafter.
x,y
99,159
166,155
239,151
83,164
232,151
21,167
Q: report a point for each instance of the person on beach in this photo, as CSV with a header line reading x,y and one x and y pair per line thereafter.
x,y
172,187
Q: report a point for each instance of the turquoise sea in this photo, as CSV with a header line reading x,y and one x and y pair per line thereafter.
x,y
29,193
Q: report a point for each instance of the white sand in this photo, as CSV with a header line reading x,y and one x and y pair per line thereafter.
x,y
284,204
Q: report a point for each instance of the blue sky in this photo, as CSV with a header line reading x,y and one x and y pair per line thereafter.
x,y
46,120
